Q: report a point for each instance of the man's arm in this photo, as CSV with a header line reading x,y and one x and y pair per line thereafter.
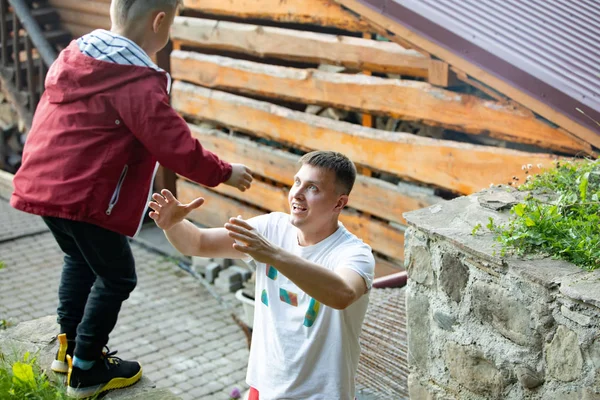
x,y
169,214
337,289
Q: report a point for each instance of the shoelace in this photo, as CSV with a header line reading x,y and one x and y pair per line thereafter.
x,y
109,357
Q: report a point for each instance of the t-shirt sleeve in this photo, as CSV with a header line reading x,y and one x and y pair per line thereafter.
x,y
360,260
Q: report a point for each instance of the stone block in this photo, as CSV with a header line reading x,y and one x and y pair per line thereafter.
x,y
472,370
574,316
507,314
444,321
212,271
528,377
594,353
416,390
230,280
563,356
454,276
417,313
419,266
244,272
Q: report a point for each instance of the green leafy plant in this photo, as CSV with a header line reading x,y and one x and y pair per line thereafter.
x,y
23,379
559,217
2,265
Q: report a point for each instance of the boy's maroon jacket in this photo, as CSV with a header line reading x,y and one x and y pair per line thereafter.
x,y
97,134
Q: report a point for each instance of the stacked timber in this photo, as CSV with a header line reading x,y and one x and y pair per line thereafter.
x,y
264,81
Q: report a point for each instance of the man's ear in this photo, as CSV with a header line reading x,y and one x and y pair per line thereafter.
x,y
158,20
341,203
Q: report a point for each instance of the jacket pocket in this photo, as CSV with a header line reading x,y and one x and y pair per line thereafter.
x,y
115,197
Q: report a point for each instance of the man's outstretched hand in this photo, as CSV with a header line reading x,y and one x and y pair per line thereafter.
x,y
248,240
168,211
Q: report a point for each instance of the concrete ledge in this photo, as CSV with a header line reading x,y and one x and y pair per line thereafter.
x,y
38,337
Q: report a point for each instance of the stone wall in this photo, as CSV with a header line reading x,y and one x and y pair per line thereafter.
x,y
482,327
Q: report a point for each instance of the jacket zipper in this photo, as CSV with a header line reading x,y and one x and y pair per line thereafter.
x,y
115,197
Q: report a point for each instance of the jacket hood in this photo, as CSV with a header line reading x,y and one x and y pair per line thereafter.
x,y
74,76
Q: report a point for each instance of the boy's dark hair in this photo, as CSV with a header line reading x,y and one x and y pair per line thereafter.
x,y
128,9
344,169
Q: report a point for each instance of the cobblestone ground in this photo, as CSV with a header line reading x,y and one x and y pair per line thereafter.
x,y
185,340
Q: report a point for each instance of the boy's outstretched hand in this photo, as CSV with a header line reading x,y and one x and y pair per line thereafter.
x,y
168,211
241,177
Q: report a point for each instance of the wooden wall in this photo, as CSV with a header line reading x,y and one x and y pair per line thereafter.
x,y
263,81
83,16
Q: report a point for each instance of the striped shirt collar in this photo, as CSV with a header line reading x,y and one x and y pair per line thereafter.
x,y
108,46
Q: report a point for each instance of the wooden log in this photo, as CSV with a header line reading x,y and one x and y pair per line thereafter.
x,y
95,21
314,12
294,45
369,195
97,7
217,209
380,236
385,267
78,30
400,99
460,167
398,32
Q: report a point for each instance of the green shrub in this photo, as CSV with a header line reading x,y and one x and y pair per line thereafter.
x,y
559,217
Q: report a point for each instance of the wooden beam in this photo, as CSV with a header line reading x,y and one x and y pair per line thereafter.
x,y
385,267
217,209
294,45
369,195
461,167
380,236
397,31
88,6
95,21
324,13
439,73
78,30
400,99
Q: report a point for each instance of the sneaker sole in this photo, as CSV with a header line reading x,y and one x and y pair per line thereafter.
x,y
116,383
60,367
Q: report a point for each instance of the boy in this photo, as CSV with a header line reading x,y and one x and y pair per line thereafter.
x,y
312,280
101,126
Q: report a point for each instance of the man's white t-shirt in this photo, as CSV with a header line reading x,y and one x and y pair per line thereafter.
x,y
301,349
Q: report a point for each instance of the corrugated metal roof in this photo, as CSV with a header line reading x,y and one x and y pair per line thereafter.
x,y
550,49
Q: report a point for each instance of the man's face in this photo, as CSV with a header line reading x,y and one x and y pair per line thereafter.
x,y
314,199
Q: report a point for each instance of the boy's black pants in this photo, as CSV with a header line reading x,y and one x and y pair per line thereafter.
x,y
98,275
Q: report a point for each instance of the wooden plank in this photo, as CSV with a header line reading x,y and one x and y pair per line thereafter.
x,y
400,99
88,6
294,45
77,30
385,267
216,210
396,31
95,21
370,195
438,73
324,13
460,167
380,236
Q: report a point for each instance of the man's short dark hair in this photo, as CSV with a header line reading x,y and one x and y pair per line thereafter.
x,y
342,166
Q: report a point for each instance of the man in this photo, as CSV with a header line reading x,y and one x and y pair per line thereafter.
x,y
312,280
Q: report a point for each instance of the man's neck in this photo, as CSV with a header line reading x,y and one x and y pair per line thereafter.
x,y
310,238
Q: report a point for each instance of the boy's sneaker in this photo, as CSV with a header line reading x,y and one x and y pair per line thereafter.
x,y
65,347
108,373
